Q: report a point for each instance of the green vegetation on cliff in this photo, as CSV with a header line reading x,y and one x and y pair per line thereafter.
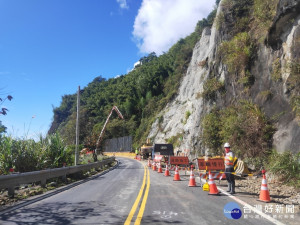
x,y
244,125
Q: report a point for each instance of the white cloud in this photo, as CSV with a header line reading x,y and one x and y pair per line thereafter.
x,y
123,4
161,23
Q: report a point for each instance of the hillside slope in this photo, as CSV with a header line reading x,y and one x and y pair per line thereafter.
x,y
268,78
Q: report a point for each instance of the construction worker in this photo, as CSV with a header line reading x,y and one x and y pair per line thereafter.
x,y
136,152
229,156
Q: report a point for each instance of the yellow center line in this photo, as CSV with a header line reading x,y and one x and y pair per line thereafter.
x,y
135,205
143,205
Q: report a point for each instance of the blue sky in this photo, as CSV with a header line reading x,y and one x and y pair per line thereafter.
x,y
50,47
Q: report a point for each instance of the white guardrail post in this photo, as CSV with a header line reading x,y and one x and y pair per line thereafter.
x,y
14,180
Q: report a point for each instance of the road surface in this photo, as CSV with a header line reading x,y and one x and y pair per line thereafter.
x,y
129,194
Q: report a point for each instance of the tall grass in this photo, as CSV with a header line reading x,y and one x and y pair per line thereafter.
x,y
286,165
29,155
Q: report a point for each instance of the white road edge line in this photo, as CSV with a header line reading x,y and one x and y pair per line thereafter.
x,y
247,205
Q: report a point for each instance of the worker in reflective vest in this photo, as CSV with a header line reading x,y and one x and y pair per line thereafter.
x,y
229,156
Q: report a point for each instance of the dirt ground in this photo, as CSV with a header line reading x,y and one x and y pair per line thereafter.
x,y
279,192
285,200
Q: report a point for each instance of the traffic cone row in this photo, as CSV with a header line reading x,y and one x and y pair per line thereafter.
x,y
213,190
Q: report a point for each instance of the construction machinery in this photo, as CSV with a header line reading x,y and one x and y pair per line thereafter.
x,y
150,150
162,152
100,138
163,149
146,149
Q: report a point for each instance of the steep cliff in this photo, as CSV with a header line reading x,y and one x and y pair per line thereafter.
x,y
268,77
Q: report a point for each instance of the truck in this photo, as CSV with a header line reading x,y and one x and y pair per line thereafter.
x,y
163,150
146,149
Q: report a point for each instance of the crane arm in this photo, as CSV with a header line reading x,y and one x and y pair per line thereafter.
x,y
105,124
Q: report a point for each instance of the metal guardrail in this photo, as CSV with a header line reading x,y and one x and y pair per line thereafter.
x,y
14,180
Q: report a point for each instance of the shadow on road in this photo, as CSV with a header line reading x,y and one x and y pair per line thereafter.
x,y
155,220
30,201
65,213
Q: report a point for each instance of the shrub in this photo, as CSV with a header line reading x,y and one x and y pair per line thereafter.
x,y
55,151
265,95
286,165
6,158
247,80
276,70
175,140
187,115
235,14
220,20
264,12
211,87
211,132
26,156
243,125
29,155
236,53
295,103
293,84
160,121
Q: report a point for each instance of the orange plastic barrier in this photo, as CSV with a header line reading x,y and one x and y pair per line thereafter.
x,y
179,160
212,164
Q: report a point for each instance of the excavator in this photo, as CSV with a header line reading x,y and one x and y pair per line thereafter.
x,y
100,138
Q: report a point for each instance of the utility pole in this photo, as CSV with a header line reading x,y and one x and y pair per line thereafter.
x,y
77,128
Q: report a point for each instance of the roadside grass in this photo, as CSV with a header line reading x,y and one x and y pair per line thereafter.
x,y
25,155
286,166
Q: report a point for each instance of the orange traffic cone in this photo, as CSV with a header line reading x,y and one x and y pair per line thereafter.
x,y
149,163
213,190
264,192
176,176
192,182
154,166
159,169
167,172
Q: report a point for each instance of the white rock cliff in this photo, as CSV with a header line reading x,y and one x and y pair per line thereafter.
x,y
181,118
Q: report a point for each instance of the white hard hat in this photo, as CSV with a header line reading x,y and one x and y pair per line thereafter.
x,y
227,145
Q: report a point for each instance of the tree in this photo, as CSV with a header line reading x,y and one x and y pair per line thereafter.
x,y
2,128
3,111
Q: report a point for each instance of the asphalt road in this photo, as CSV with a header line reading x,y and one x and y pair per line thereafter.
x,y
131,193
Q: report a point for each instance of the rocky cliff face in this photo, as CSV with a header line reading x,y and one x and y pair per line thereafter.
x,y
181,118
